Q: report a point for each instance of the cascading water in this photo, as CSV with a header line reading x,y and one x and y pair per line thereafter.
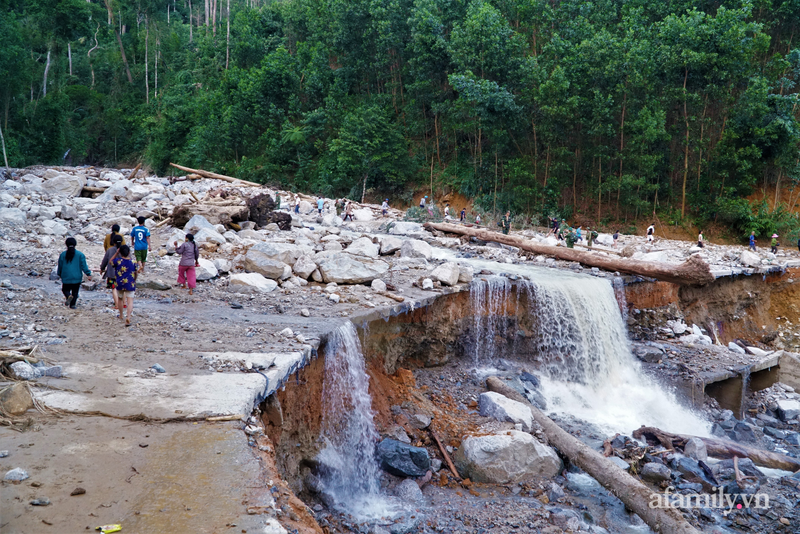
x,y
351,476
488,298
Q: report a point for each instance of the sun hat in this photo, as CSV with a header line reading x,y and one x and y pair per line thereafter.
x,y
774,235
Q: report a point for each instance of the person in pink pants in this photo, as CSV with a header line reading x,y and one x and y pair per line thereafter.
x,y
190,258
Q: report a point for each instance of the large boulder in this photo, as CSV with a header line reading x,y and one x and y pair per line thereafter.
x,y
209,235
304,266
251,282
502,408
137,192
788,409
749,259
363,215
67,185
53,228
401,459
390,245
505,457
283,252
345,269
117,189
306,207
655,473
197,223
363,246
206,270
465,274
258,262
13,217
414,248
405,228
447,273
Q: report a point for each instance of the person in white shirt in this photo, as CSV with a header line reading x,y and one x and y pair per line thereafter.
x,y
651,230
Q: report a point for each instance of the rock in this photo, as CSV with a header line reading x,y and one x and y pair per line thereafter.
x,y
271,526
305,313
24,371
137,192
257,262
408,491
505,457
555,492
68,185
749,259
15,400
13,217
420,421
284,252
502,408
655,473
401,459
447,273
736,348
465,274
3,454
390,245
197,223
117,189
206,270
648,354
427,283
363,246
77,491
344,269
222,265
619,462
53,228
158,368
695,448
304,267
378,285
334,297
405,228
158,285
251,282
209,235
306,207
316,276
363,215
16,475
414,248
68,212
788,409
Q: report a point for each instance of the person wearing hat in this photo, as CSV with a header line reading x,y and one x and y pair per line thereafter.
x,y
774,244
385,207
190,258
422,201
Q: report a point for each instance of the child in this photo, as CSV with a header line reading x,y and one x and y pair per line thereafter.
x,y
107,269
126,280
385,207
141,243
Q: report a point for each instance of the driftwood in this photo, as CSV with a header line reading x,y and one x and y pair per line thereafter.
x,y
134,171
692,272
89,189
636,496
720,448
445,455
215,176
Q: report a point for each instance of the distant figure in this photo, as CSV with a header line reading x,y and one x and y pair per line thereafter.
x,y
700,239
108,239
651,230
753,241
590,235
297,205
615,236
422,201
348,211
71,266
385,207
775,244
570,238
107,269
141,243
478,219
579,234
126,281
190,258
505,222
553,226
447,211
320,204
463,214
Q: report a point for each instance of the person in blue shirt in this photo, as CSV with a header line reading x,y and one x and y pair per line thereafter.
x,y
320,204
141,243
753,241
71,266
125,271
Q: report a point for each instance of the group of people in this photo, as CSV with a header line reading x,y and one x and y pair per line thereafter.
x,y
341,203
121,266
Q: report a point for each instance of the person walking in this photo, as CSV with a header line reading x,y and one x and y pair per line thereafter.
x,y
71,267
385,207
447,212
651,230
615,236
320,205
125,270
478,219
423,201
348,212
753,241
590,235
463,215
505,222
700,239
190,258
107,270
141,243
297,205
579,234
775,244
107,242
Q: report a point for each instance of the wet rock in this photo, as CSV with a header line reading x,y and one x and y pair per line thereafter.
x,y
447,273
345,269
15,400
555,492
745,433
363,246
693,472
16,475
788,409
774,432
420,421
465,274
505,457
648,354
401,459
408,491
502,408
695,448
793,438
414,248
158,285
622,464
655,473
396,432
251,282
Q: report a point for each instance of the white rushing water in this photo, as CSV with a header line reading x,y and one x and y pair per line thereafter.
x,y
582,351
348,429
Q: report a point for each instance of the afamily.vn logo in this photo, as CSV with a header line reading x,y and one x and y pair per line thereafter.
x,y
725,501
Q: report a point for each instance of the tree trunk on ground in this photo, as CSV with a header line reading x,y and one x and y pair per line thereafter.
x,y
692,272
215,176
721,448
636,496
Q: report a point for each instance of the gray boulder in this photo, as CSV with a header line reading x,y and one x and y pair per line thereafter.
x,y
206,270
345,269
13,217
251,283
117,189
209,235
505,457
24,371
16,475
788,409
405,228
67,185
655,473
447,273
502,408
390,245
68,212
408,491
414,248
401,459
304,266
197,223
696,448
363,246
284,252
465,274
257,262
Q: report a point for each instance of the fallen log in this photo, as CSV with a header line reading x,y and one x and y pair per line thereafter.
x,y
445,455
89,189
214,176
134,171
720,448
631,491
692,272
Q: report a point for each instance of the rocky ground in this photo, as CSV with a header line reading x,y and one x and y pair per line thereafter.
x,y
267,290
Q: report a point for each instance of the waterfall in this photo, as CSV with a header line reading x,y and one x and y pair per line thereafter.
x,y
351,476
488,299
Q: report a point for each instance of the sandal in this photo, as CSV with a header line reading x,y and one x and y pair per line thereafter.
x,y
127,322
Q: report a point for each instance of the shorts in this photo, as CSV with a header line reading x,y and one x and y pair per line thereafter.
x,y
140,255
125,294
111,283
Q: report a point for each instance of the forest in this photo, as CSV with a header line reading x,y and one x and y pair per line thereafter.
x,y
606,111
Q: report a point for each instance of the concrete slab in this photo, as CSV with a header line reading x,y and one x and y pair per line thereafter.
x,y
124,392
